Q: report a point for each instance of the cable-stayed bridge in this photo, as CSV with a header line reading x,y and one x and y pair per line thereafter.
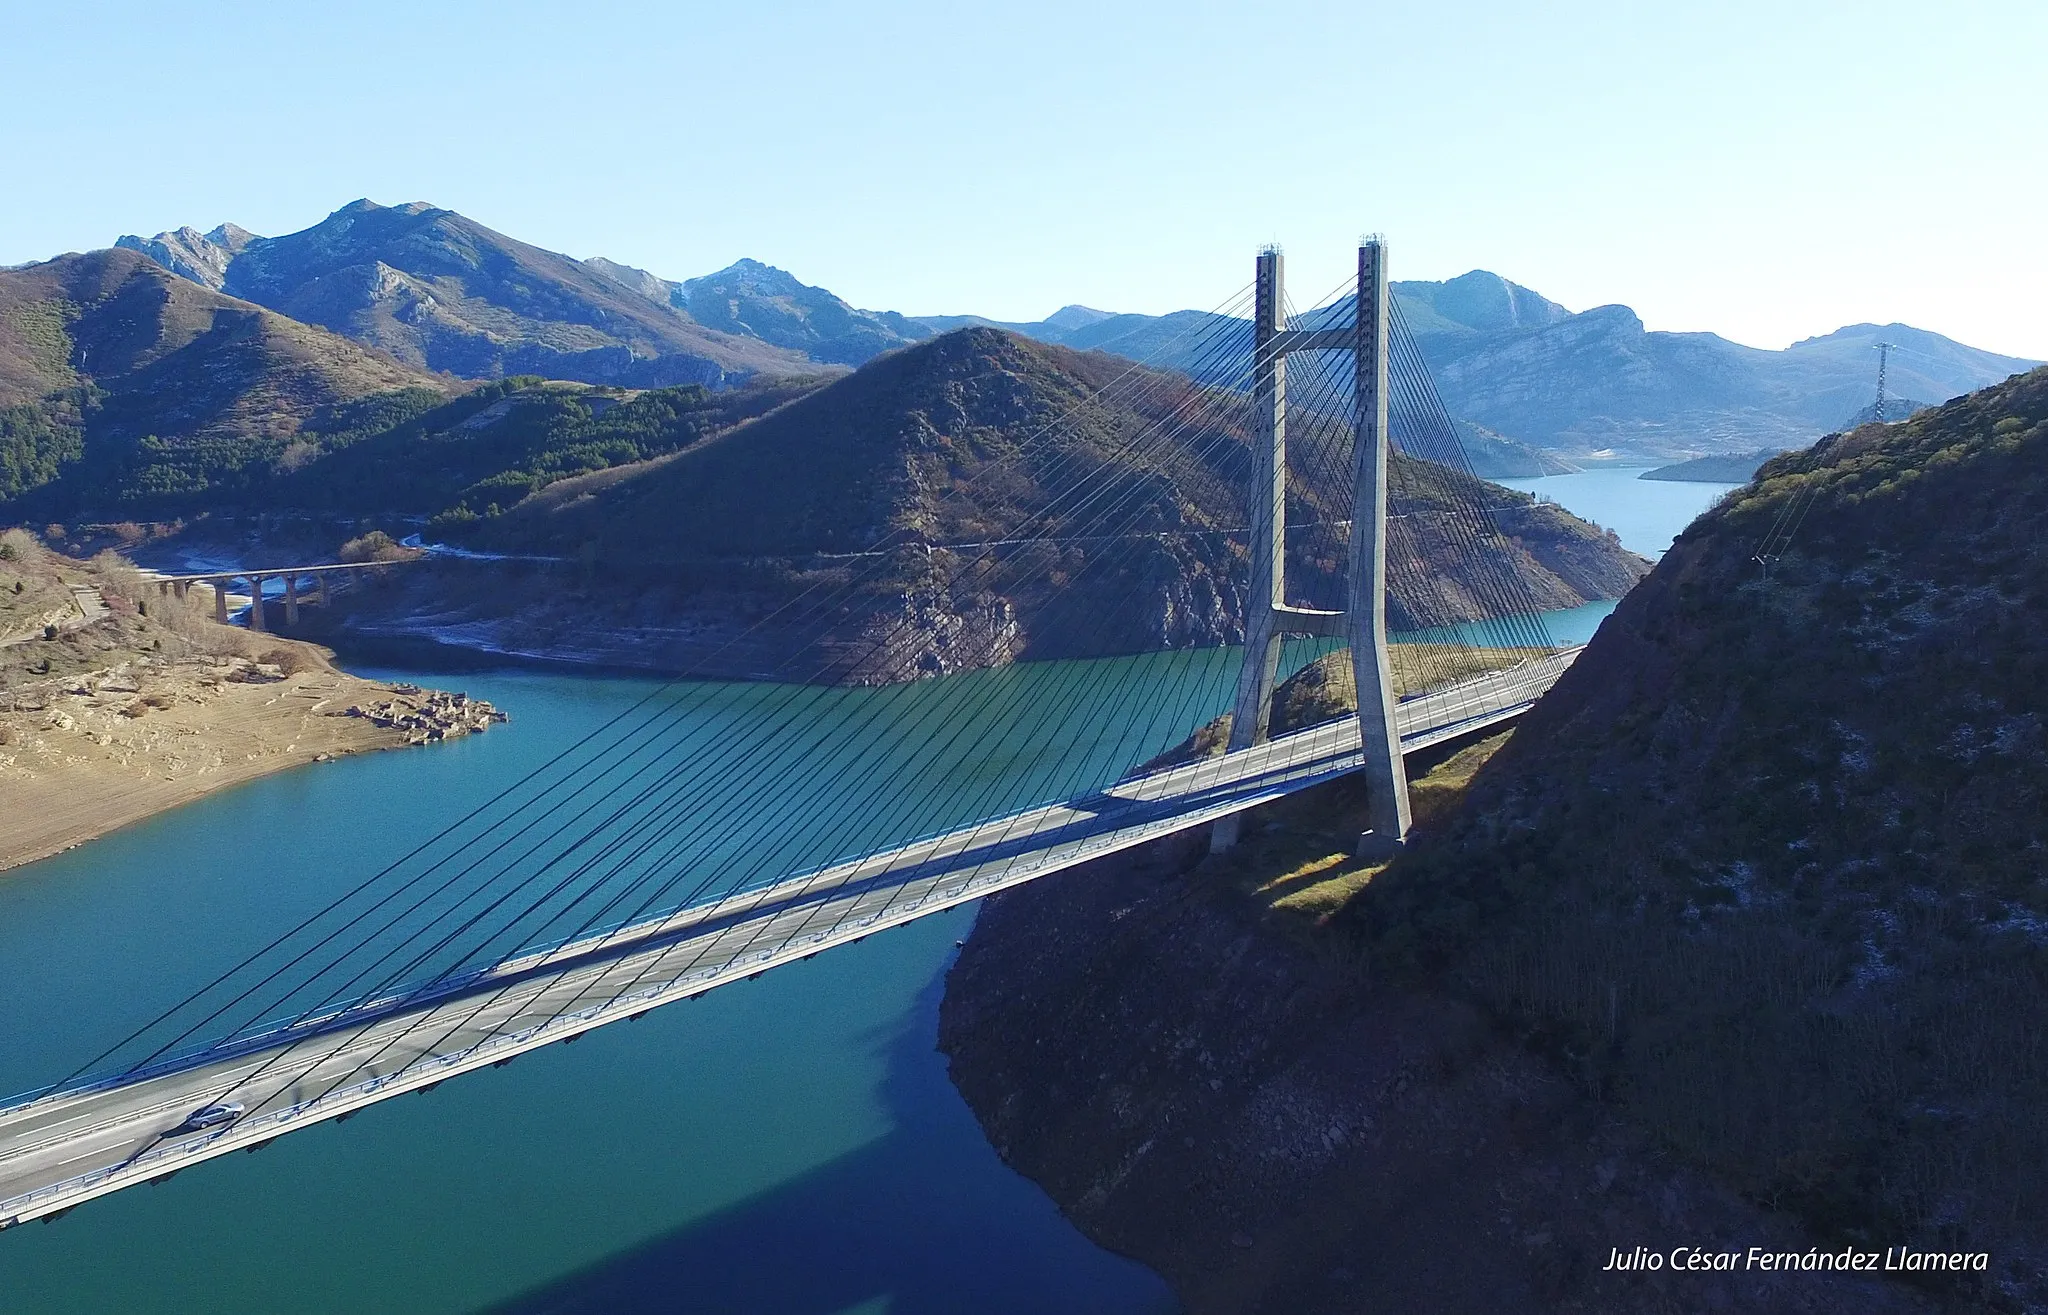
x,y
640,866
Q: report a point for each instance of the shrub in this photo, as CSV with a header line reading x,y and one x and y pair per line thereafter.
x,y
376,546
291,661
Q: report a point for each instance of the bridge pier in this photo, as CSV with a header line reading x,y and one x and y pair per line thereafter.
x,y
320,577
1363,623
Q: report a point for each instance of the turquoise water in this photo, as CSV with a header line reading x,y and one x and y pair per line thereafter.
x,y
1571,625
683,795
790,1144
1647,514
787,1144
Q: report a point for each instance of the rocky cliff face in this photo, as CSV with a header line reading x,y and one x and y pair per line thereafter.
x,y
202,257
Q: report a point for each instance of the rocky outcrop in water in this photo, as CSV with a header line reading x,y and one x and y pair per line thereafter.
x,y
428,716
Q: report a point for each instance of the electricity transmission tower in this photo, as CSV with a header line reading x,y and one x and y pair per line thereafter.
x,y
1884,351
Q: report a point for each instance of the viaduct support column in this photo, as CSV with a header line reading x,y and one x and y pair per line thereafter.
x,y
256,602
291,599
1366,602
1251,713
220,600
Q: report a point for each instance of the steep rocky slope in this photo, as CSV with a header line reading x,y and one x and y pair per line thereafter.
x,y
1769,863
503,441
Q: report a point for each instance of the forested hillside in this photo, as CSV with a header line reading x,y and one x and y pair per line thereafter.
x,y
127,388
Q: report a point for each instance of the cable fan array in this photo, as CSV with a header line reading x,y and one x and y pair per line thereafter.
x,y
1128,548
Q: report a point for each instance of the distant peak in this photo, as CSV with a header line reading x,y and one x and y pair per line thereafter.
x,y
747,267
750,275
1483,300
1614,313
1077,316
1853,331
363,205
231,238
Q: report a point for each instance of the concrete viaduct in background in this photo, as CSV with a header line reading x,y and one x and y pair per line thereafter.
x,y
179,585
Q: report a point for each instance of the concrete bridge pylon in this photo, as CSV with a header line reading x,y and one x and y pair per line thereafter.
x,y
1363,623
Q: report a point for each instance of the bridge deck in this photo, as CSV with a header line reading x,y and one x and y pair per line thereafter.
x,y
269,572
64,1149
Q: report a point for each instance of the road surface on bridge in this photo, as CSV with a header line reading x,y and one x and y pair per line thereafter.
x,y
64,1149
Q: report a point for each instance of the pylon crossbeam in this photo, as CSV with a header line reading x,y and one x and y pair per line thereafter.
x,y
1363,623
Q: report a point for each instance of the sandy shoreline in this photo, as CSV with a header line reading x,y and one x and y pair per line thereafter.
x,y
87,755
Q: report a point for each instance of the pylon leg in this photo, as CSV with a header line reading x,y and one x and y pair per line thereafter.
x,y
1366,604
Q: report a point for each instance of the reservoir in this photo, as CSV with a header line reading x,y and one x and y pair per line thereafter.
x,y
1646,514
790,1144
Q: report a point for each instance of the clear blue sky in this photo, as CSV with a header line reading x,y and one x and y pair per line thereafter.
x,y
1768,171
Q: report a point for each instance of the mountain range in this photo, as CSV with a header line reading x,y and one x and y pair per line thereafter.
x,y
191,362
441,292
